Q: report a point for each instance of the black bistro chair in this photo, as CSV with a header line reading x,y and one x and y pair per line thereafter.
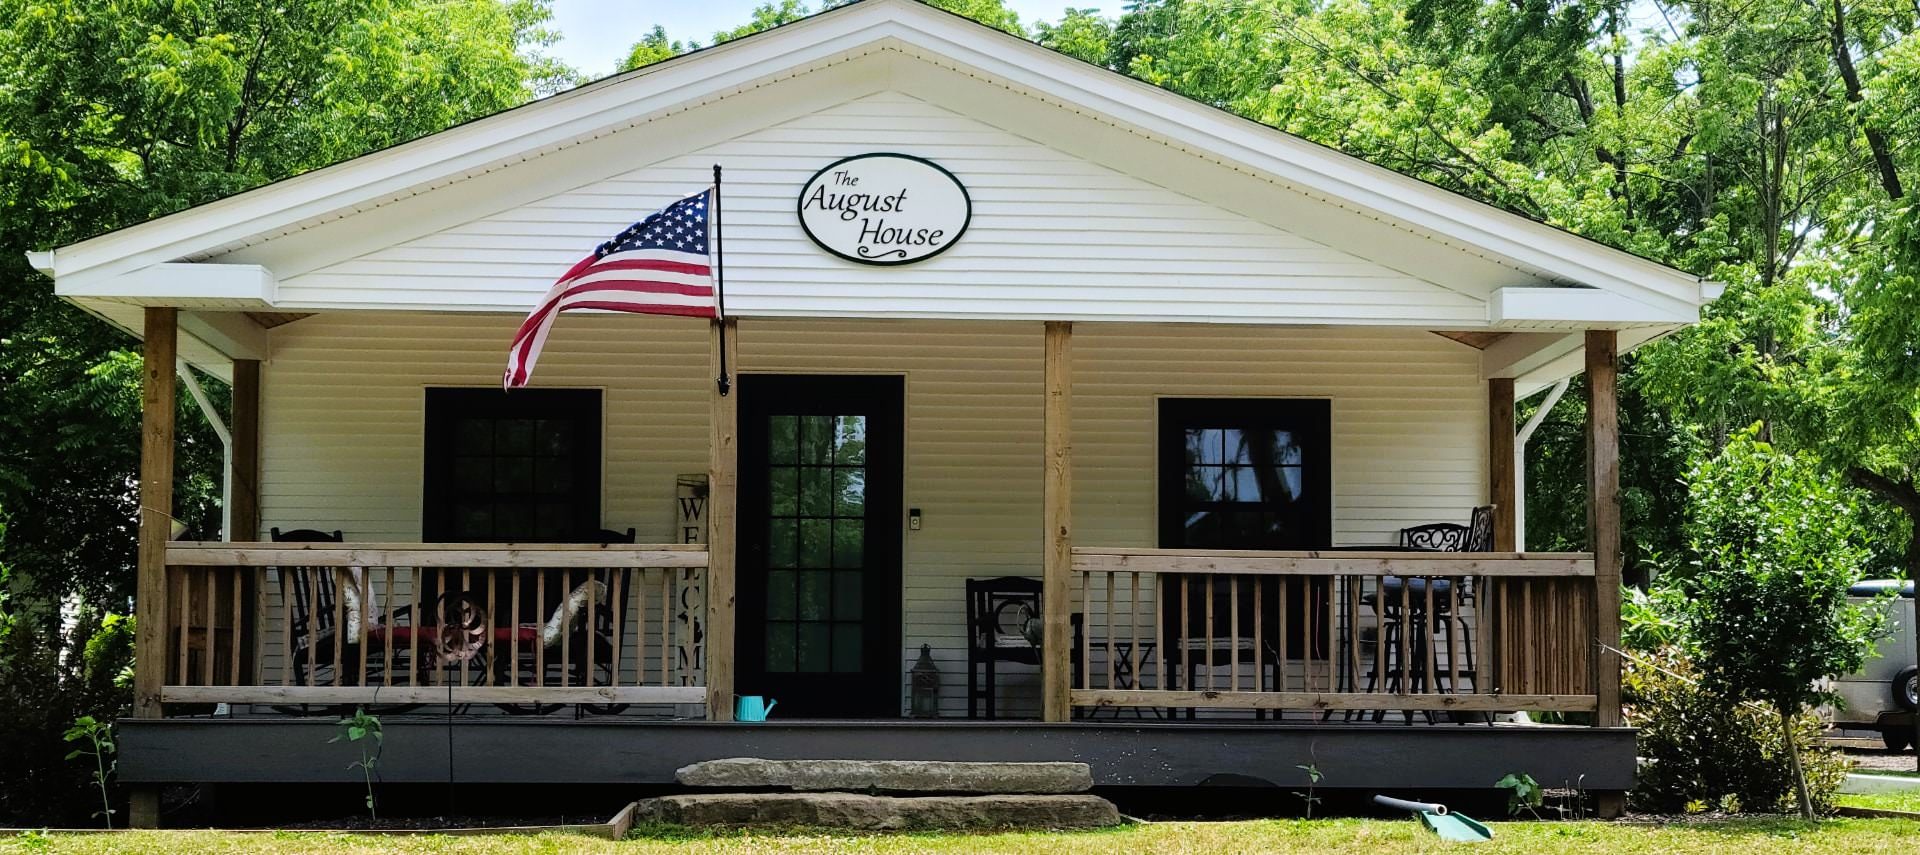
x,y
1197,650
315,608
1003,625
1419,627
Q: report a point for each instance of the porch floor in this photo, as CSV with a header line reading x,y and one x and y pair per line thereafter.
x,y
1126,753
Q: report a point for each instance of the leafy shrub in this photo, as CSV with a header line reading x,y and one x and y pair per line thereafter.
x,y
40,698
1700,748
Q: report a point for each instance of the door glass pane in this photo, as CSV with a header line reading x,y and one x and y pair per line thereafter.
x,y
815,497
816,439
513,475
849,491
781,655
849,543
782,550
847,595
1234,446
780,595
814,594
784,483
850,440
816,544
1204,445
847,647
783,439
813,647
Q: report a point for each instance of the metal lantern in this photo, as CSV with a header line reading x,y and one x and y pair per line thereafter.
x,y
926,685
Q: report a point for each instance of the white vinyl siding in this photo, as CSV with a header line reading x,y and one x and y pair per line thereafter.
x,y
1052,235
343,408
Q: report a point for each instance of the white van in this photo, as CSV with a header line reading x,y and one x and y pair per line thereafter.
x,y
1882,695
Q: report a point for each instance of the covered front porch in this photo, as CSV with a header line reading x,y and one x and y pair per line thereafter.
x,y
1359,629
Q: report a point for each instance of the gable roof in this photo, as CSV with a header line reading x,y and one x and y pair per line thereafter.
x,y
1370,202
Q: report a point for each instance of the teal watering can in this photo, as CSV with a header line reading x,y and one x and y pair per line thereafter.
x,y
752,708
1437,819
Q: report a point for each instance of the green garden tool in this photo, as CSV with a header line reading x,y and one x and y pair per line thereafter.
x,y
1437,819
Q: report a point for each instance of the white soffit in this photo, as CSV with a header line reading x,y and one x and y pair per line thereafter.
x,y
208,286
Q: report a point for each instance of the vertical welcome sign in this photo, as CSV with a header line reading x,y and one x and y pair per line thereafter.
x,y
690,610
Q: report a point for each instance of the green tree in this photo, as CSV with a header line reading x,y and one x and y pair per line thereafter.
x,y
1775,553
117,113
654,47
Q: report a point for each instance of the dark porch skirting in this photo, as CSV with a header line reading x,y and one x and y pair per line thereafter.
x,y
506,751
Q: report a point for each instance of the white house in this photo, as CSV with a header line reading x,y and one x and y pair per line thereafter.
x,y
1191,375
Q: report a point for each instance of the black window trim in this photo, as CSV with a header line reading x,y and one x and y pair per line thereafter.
x,y
1172,415
589,402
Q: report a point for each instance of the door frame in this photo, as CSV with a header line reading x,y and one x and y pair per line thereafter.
x,y
882,675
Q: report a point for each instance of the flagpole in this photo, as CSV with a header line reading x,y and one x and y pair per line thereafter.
x,y
719,281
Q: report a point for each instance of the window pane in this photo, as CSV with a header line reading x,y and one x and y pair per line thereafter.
x,y
1295,482
849,542
553,521
1203,484
472,474
552,475
473,519
781,655
814,597
816,543
473,436
780,595
849,491
1235,442
513,520
1284,451
1204,445
782,549
850,440
554,438
846,647
783,438
816,439
1243,484
815,494
513,436
815,656
513,474
848,596
784,484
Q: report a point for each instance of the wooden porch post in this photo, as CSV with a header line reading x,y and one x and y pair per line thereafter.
x,y
245,514
157,409
1501,462
1057,517
1603,518
243,519
722,501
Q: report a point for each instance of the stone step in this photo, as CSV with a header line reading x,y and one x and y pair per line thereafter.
x,y
880,813
890,776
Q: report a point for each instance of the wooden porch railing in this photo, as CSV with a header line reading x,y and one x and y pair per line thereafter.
x,y
1351,631
324,623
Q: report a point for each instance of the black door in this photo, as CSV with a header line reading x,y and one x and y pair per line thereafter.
x,y
819,549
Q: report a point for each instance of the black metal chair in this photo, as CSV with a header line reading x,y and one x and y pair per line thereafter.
x,y
1003,620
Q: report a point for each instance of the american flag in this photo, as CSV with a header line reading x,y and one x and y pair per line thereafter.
x,y
658,266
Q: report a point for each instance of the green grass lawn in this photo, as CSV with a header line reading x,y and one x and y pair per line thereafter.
x,y
1744,836
1908,800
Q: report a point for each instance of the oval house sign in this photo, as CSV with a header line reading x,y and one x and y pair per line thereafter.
x,y
884,209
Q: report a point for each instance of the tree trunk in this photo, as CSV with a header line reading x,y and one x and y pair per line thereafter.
x,y
1877,143
1799,774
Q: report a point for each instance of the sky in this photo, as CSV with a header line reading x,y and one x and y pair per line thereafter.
x,y
597,33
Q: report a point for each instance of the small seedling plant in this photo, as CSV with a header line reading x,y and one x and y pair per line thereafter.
x,y
1313,780
364,730
96,739
1523,793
